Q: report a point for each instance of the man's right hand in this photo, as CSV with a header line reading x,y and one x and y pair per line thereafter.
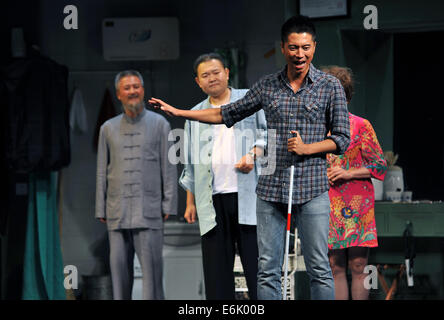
x,y
165,107
190,213
102,220
209,115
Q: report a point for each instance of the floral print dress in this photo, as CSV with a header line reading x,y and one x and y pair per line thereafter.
x,y
352,215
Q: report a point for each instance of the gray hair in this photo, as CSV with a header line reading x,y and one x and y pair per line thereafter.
x,y
127,73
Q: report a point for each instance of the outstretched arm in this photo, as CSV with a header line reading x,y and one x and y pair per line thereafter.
x,y
211,115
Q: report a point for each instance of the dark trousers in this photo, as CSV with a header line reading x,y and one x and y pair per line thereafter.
x,y
219,249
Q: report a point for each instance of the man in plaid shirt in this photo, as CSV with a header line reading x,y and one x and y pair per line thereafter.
x,y
306,110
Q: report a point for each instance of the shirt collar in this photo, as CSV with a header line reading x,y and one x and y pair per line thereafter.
x,y
136,119
313,75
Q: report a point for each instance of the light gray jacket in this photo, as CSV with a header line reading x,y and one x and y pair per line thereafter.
x,y
197,175
135,181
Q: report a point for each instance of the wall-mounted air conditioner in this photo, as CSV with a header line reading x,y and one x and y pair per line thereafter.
x,y
140,38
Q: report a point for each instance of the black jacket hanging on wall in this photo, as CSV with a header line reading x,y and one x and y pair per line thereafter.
x,y
37,133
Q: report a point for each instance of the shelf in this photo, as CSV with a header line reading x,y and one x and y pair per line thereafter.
x,y
427,219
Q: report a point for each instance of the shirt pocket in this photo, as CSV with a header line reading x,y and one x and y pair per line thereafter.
x,y
114,204
272,110
152,204
312,110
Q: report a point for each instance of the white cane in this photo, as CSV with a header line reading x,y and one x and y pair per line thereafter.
x,y
287,240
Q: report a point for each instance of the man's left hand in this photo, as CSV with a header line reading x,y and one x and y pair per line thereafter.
x,y
296,144
165,216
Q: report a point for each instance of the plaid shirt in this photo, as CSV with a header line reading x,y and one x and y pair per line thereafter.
x,y
318,107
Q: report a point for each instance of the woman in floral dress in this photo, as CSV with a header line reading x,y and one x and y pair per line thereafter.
x,y
352,217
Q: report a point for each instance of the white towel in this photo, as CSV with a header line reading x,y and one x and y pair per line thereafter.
x,y
77,115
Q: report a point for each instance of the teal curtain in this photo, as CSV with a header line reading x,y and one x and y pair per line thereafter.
x,y
43,264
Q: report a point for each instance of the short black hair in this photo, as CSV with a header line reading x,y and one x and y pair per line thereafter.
x,y
207,57
297,24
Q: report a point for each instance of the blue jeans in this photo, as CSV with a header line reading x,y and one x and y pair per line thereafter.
x,y
312,221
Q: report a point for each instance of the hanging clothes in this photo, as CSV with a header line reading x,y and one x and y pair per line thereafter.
x,y
107,111
36,99
43,277
77,115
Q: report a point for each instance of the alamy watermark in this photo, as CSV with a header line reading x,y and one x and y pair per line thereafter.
x,y
71,21
197,148
371,20
71,280
371,281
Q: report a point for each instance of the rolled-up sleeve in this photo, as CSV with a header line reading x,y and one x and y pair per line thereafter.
x,y
242,108
372,153
339,118
169,173
261,130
